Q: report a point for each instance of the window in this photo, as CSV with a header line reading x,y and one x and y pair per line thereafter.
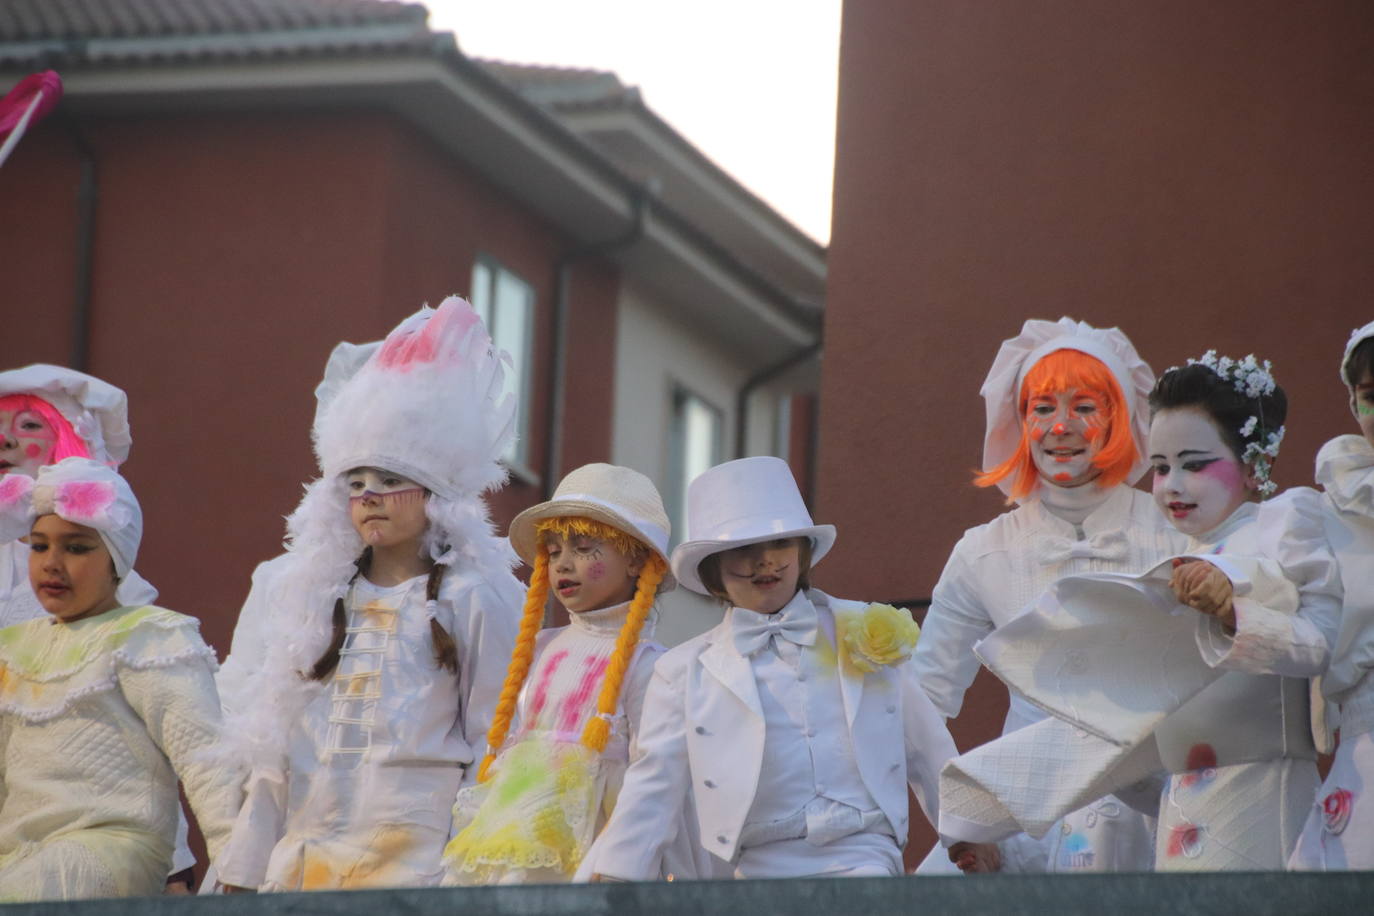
x,y
505,303
695,445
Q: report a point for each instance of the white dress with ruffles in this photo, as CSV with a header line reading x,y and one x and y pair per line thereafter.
x,y
1339,832
98,719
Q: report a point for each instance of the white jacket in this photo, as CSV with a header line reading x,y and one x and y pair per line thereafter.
x,y
703,733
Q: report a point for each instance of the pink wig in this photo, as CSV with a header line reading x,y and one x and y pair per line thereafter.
x,y
68,443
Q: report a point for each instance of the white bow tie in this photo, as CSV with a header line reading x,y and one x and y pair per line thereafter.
x,y
1108,545
753,632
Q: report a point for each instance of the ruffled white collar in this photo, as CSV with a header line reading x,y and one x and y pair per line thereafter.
x,y
1345,469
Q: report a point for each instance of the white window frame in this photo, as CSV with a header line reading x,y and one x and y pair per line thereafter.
x,y
681,469
498,313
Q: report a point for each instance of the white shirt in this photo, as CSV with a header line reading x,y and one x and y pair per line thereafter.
x,y
808,753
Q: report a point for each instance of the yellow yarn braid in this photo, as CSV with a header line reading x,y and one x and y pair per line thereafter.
x,y
598,729
520,660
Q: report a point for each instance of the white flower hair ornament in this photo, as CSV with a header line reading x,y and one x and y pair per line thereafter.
x,y
1253,380
83,492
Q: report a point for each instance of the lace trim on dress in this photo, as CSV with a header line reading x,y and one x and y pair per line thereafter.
x,y
46,668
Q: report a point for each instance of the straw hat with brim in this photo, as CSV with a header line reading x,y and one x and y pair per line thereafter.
x,y
744,502
616,496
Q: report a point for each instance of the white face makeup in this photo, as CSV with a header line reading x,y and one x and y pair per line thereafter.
x,y
1066,430
26,442
762,577
588,574
1198,481
386,509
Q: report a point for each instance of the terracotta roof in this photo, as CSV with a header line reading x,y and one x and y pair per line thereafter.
x,y
52,32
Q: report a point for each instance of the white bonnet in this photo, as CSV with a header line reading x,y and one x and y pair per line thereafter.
x,y
1001,389
97,410
83,492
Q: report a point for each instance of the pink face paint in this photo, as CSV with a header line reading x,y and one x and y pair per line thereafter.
x,y
596,571
392,498
33,450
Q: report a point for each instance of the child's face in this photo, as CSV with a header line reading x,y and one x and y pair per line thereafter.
x,y
1198,481
762,577
588,574
387,510
1362,399
70,569
1066,430
26,442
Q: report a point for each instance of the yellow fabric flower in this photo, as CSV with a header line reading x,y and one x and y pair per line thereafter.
x,y
880,635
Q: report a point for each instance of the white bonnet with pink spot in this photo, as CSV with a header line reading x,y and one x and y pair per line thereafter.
x,y
97,410
83,492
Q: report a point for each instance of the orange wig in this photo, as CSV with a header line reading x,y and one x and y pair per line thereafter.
x,y
1064,370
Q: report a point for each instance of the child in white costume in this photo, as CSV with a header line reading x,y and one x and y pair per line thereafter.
x,y
797,723
1066,424
364,726
601,544
88,418
103,706
1339,833
1218,699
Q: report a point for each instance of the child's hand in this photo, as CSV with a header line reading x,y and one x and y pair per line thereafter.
x,y
1205,589
976,858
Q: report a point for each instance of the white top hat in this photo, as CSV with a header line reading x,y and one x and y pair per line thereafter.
x,y
1357,337
744,502
1002,389
97,410
620,497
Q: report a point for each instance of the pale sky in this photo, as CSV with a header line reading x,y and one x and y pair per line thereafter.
x,y
752,83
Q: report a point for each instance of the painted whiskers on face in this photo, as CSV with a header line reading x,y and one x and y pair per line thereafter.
x,y
1067,430
587,573
762,577
386,509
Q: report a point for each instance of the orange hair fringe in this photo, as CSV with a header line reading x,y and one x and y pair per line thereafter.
x,y
1063,370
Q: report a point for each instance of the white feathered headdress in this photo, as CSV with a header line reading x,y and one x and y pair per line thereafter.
x,y
427,404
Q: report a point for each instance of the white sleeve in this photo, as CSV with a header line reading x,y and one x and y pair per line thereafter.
x,y
928,743
1272,640
486,622
652,799
248,649
180,709
944,659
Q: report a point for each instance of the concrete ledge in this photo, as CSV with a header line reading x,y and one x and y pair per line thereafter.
x,y
1194,895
